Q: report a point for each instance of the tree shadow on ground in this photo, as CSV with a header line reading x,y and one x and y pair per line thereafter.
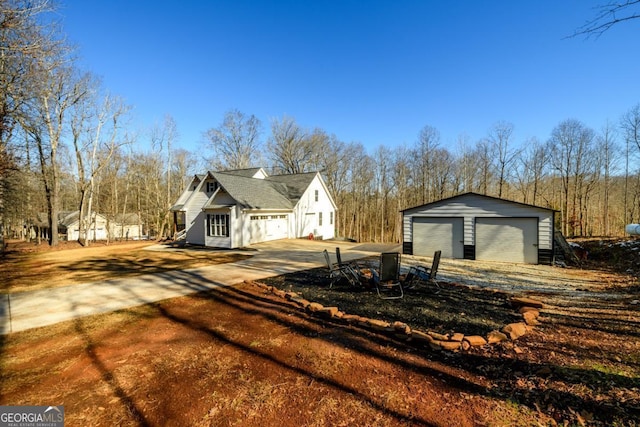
x,y
538,384
541,385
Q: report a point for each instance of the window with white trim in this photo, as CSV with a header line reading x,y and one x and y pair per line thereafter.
x,y
317,193
331,218
218,225
319,219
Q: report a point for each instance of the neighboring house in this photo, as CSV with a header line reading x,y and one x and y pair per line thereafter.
x,y
120,227
237,208
478,227
125,227
69,224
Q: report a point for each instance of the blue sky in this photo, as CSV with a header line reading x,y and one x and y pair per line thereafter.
x,y
374,72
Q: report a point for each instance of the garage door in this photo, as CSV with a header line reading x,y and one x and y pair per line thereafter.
x,y
438,234
507,239
268,227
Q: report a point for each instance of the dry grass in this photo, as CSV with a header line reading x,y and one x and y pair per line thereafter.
x,y
28,270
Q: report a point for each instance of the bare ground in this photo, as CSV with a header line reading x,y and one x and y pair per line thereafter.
x,y
242,356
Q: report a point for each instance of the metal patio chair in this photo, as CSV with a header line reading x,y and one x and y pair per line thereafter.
x,y
421,274
387,278
339,271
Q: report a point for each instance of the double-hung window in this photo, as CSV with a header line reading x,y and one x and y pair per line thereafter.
x,y
218,225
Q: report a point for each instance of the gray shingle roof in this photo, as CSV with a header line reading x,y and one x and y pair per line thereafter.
x,y
255,193
248,173
293,185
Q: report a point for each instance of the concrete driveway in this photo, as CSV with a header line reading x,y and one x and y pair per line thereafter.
x,y
25,310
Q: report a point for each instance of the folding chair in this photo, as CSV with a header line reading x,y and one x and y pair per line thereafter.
x,y
419,273
387,279
338,271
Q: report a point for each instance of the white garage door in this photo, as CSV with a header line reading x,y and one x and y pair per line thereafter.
x,y
507,239
438,234
268,227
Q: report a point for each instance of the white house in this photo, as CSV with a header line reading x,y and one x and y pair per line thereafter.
x,y
237,208
70,224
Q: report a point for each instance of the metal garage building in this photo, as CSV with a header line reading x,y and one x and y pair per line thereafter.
x,y
475,226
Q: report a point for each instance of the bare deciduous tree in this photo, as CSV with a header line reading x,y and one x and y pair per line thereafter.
x,y
530,170
630,126
235,142
58,93
24,42
570,145
162,138
95,128
428,142
608,15
500,139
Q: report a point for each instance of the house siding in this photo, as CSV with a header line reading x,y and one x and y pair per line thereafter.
x,y
96,229
307,213
124,231
472,206
195,217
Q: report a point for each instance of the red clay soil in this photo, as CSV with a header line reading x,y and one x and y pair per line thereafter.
x,y
239,356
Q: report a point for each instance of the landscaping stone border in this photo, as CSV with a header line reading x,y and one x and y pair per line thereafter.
x,y
528,308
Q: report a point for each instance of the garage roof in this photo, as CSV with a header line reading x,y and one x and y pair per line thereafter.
x,y
472,194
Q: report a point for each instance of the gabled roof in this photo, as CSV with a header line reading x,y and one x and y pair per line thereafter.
x,y
65,218
248,173
254,193
186,194
472,194
68,218
294,185
250,190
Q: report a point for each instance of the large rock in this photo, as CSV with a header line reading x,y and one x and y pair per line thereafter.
x,y
351,318
473,341
525,309
456,337
379,325
515,330
450,345
527,302
531,317
329,311
401,328
496,337
301,302
290,295
314,307
438,337
421,336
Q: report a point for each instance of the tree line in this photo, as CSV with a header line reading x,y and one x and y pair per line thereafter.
x,y
65,145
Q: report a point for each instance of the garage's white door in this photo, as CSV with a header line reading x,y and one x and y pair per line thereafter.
x,y
507,239
438,234
268,227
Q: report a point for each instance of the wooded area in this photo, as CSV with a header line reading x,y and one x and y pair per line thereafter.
x,y
65,145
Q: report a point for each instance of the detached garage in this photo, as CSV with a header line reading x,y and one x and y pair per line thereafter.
x,y
474,226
